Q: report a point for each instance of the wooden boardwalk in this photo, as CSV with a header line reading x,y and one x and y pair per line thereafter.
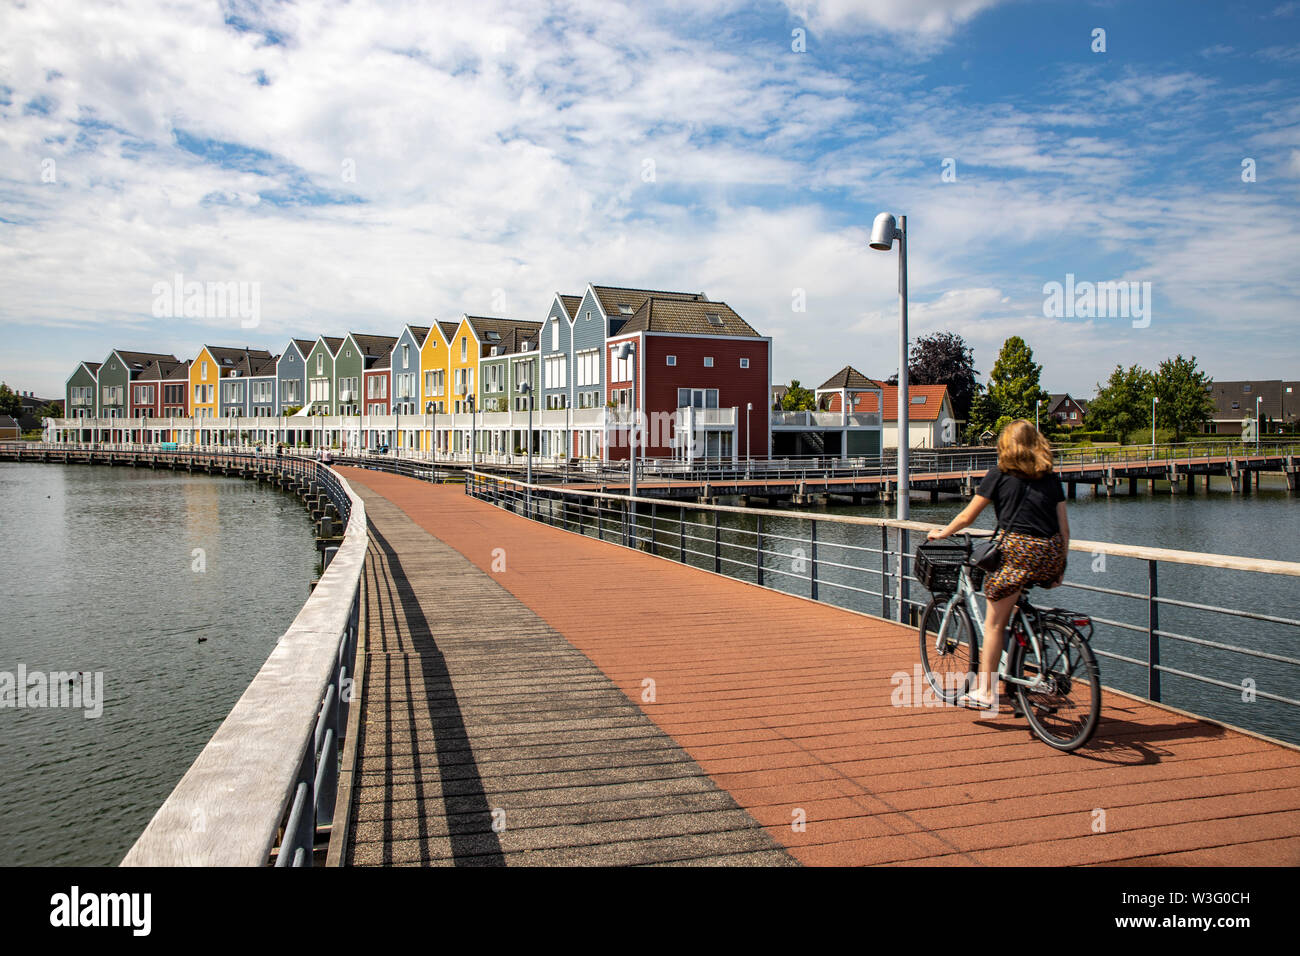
x,y
524,689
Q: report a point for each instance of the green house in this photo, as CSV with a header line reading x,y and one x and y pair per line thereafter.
x,y
354,355
80,396
321,396
508,356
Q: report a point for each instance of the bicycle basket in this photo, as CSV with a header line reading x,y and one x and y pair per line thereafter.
x,y
938,564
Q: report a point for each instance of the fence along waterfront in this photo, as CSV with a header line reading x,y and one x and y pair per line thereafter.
x,y
272,766
855,562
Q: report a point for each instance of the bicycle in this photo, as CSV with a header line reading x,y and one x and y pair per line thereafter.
x,y
1047,658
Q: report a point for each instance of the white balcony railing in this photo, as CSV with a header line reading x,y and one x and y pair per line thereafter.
x,y
824,420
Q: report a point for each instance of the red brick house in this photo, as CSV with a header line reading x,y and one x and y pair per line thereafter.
x,y
703,382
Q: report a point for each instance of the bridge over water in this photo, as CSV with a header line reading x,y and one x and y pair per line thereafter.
x,y
595,685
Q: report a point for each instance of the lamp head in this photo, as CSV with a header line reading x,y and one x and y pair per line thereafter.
x,y
883,232
624,350
525,387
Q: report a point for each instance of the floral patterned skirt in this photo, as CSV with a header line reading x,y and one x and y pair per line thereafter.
x,y
1025,560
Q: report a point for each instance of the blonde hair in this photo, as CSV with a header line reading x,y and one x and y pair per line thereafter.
x,y
1022,450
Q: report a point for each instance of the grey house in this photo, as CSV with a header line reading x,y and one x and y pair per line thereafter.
x,y
404,389
291,375
238,368
557,353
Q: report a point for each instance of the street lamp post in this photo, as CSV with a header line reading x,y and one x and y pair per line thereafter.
x,y
527,389
1155,400
1259,419
628,350
472,421
883,233
749,407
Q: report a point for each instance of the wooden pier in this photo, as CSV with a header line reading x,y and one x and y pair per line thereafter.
x,y
535,696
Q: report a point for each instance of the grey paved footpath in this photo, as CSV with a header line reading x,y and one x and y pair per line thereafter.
x,y
487,739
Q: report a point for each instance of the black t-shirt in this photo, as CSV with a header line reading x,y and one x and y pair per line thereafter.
x,y
1037,515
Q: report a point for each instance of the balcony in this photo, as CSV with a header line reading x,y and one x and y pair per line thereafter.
x,y
824,420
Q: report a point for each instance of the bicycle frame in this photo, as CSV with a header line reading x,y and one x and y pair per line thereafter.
x,y
965,593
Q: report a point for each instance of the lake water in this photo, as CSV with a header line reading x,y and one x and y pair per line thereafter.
x,y
122,571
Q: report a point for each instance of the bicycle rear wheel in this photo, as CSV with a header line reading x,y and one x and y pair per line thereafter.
x,y
949,658
1064,711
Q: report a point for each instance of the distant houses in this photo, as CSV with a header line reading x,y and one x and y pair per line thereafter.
x,y
695,371
1274,402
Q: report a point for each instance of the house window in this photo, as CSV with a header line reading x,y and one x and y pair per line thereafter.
x,y
555,335
320,365
744,363
1245,388
588,367
697,398
464,347
406,356
714,318
204,374
708,361
672,360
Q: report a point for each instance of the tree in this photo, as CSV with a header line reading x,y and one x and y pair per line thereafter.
x,y
943,358
1184,393
798,399
52,410
11,402
1123,405
1012,391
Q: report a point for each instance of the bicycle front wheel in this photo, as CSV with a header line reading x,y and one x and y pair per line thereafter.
x,y
1064,708
951,657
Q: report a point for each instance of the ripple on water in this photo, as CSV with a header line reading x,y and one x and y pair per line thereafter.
x,y
109,585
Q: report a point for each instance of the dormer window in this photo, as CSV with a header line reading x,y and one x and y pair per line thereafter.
x,y
714,318
624,308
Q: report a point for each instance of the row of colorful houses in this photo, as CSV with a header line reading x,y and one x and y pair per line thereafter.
x,y
693,367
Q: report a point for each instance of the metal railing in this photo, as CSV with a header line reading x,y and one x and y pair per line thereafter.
x,y
269,774
865,564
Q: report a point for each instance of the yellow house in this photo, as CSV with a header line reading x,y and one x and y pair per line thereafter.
x,y
435,369
205,377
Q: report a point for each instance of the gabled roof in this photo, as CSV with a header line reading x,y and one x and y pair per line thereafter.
x,y
179,373
263,368
93,366
372,347
448,329
847,377
622,303
241,360
688,316
925,405
160,370
332,345
570,304
304,346
500,333
136,362
383,363
419,333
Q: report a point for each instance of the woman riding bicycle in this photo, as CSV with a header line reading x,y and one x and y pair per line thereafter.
x,y
1026,493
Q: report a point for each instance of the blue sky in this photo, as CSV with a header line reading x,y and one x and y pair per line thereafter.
x,y
372,164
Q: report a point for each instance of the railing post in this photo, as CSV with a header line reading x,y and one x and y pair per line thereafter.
x,y
903,589
681,533
884,571
758,550
654,511
1153,639
717,542
812,564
